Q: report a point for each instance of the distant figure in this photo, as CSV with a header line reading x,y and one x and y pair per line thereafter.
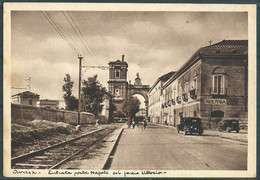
x,y
133,124
136,122
145,123
97,122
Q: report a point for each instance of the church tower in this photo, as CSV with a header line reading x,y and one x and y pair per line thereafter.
x,y
117,83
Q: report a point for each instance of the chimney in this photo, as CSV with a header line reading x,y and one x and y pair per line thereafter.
x,y
123,57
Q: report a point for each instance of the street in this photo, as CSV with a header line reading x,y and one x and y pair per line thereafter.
x,y
161,148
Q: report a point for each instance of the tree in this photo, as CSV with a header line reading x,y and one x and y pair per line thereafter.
x,y
93,94
131,104
70,100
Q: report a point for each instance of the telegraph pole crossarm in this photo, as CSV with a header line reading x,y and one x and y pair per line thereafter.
x,y
100,67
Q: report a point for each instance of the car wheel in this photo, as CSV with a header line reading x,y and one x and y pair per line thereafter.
x,y
184,132
228,129
237,131
200,133
219,129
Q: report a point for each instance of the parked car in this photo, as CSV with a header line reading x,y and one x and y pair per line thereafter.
x,y
229,125
190,125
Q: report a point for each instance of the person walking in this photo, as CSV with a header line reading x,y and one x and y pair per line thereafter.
x,y
136,122
145,123
133,124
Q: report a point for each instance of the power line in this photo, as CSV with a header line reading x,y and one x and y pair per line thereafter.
x,y
64,32
84,39
51,21
80,37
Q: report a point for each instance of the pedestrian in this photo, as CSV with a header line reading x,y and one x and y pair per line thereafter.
x,y
136,122
145,123
133,124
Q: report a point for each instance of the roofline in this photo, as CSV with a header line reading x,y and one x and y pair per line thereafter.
x,y
198,55
194,58
25,92
48,100
158,80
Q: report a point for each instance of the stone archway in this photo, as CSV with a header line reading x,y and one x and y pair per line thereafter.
x,y
140,90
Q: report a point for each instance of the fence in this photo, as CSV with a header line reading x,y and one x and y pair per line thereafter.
x,y
21,114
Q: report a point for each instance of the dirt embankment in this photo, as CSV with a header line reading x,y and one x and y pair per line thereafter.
x,y
38,134
38,129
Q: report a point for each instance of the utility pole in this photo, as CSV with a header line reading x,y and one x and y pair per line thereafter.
x,y
98,104
129,105
29,84
80,61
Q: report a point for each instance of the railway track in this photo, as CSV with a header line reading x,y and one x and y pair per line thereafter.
x,y
53,156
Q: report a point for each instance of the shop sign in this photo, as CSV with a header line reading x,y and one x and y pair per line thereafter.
x,y
216,101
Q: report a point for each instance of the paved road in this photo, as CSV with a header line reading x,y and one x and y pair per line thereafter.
x,y
161,148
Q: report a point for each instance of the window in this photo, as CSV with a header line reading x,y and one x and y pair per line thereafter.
x,y
186,87
117,93
30,102
218,84
194,83
179,88
117,74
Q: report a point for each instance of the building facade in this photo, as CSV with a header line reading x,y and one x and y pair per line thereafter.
x,y
119,88
117,83
25,98
155,99
211,85
48,103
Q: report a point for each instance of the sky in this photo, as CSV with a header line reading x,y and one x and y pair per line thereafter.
x,y
154,43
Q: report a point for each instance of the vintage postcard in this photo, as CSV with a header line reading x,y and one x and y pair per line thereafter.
x,y
129,90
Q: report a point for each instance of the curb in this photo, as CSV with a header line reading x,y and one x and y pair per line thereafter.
x,y
111,150
219,135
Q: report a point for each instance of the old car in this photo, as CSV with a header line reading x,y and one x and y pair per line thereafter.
x,y
190,125
229,125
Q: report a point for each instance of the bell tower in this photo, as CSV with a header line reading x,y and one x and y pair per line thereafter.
x,y
117,83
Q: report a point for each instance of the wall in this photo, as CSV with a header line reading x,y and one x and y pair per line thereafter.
x,y
154,107
23,113
171,112
235,81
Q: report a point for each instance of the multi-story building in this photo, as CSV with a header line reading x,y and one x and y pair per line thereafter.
x,y
117,84
155,95
211,85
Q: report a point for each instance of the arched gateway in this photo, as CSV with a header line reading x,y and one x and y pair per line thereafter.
x,y
120,88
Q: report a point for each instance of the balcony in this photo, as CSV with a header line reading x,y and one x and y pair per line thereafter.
x,y
193,94
185,97
178,99
218,91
